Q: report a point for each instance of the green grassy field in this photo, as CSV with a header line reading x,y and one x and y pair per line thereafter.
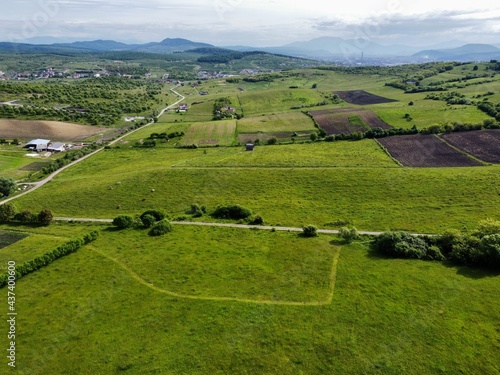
x,y
215,133
211,300
12,160
365,187
286,122
385,316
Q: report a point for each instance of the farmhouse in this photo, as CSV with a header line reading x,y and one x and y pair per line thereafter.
x,y
183,107
250,146
38,144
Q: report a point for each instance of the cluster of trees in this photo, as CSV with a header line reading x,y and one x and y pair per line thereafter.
x,y
222,109
491,109
479,248
452,97
9,213
165,135
413,88
47,258
155,220
100,101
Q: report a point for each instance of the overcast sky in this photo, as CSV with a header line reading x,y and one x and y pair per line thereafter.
x,y
253,22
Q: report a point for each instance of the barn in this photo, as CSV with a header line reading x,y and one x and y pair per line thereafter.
x,y
38,144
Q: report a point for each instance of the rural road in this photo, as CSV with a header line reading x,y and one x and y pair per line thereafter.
x,y
39,184
227,225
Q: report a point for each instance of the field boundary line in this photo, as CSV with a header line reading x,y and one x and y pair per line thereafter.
x,y
139,279
462,151
386,151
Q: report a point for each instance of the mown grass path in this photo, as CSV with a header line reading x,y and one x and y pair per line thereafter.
x,y
328,300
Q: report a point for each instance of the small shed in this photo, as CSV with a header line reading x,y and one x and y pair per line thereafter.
x,y
250,146
57,147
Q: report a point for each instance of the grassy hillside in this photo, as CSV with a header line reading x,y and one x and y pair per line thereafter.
x,y
103,311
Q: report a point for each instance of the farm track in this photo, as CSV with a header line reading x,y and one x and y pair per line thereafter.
x,y
230,225
39,184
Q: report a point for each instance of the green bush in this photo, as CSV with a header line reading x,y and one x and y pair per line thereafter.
x,y
234,212
7,186
7,212
26,216
272,141
310,231
348,234
123,221
160,228
257,220
401,245
148,220
45,216
158,215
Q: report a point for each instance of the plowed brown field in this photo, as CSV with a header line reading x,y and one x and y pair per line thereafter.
x,y
53,130
482,144
425,151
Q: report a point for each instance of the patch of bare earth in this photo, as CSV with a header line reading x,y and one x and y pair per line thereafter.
x,y
425,151
361,97
482,144
53,130
336,121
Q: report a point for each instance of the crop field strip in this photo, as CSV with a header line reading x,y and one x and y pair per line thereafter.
x,y
361,97
425,151
336,121
482,144
8,238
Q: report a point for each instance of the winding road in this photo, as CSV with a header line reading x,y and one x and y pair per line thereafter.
x,y
39,184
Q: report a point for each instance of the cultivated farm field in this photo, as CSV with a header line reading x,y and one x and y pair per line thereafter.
x,y
425,151
53,130
339,121
484,145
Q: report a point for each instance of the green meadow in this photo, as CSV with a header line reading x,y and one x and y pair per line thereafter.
x,y
220,300
187,304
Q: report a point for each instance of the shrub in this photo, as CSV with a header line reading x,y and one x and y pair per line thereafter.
x,y
7,186
123,221
7,212
487,227
310,231
401,245
348,234
148,220
45,216
196,210
234,212
160,228
272,141
257,220
158,215
25,216
490,250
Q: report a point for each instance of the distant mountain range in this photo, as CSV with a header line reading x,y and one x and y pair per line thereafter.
x,y
328,48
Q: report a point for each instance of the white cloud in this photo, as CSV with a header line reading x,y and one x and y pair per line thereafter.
x,y
255,22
